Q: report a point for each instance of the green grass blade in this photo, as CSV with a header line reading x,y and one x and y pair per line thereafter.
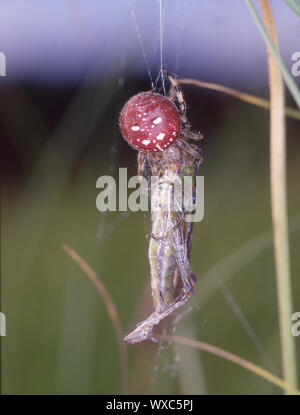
x,y
291,84
294,5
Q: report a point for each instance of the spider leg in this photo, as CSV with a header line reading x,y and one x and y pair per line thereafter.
x,y
154,166
172,93
190,135
142,158
176,93
189,149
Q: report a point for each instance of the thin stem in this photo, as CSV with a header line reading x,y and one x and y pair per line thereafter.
x,y
279,204
111,310
251,367
243,96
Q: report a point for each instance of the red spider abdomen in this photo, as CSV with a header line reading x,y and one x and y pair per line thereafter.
x,y
150,122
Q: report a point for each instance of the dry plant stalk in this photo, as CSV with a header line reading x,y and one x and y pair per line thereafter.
x,y
251,367
243,96
279,204
110,308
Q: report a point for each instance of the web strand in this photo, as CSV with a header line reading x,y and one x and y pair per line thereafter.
x,y
140,40
161,38
244,322
182,18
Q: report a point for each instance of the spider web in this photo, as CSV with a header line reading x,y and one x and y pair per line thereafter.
x,y
155,53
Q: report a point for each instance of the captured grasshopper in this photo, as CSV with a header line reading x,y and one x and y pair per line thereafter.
x,y
158,127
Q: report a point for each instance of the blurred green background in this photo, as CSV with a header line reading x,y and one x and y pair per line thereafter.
x,y
59,337
58,141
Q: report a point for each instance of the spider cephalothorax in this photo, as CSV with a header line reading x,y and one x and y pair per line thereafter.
x,y
157,126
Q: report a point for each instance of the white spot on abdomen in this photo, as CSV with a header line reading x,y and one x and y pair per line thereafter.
x,y
160,136
135,128
146,142
157,120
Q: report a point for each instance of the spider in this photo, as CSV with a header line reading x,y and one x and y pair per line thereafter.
x,y
157,126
